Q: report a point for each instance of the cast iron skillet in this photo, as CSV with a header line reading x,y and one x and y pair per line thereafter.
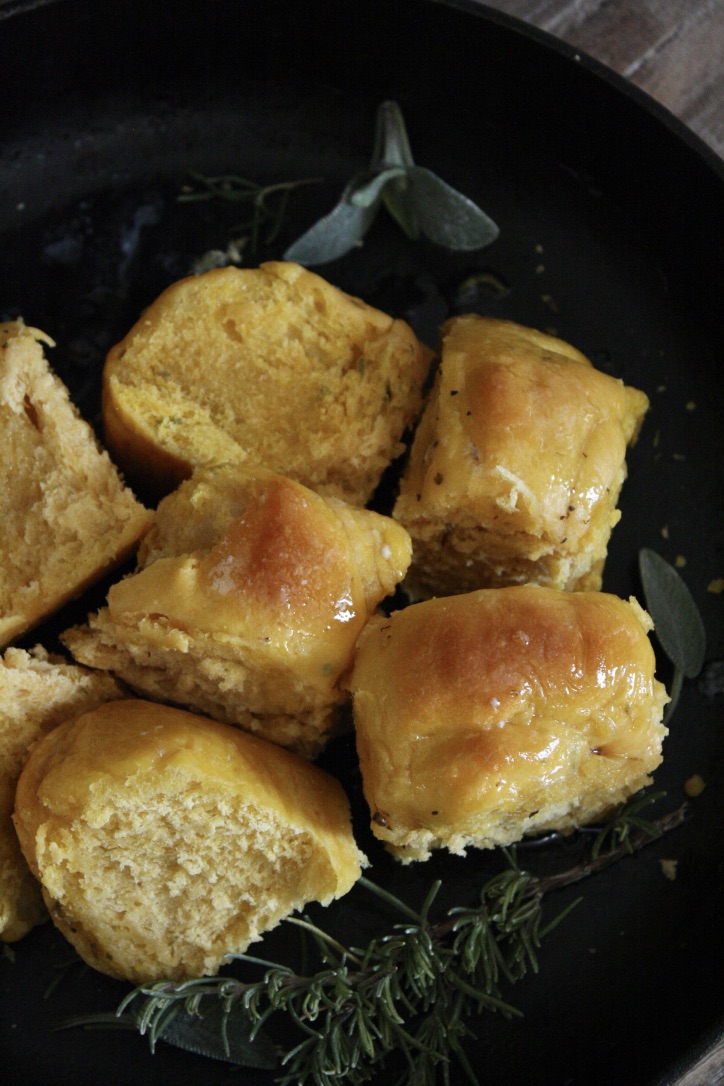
x,y
611,220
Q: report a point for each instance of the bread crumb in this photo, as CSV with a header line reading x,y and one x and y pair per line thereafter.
x,y
669,868
694,785
550,301
716,586
680,561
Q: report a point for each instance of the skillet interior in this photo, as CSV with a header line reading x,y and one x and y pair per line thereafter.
x,y
623,211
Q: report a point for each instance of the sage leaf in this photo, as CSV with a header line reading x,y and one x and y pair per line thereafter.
x,y
418,200
396,197
367,193
446,216
334,235
392,145
676,618
221,1035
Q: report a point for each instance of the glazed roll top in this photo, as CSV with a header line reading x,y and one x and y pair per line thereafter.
x,y
489,715
249,603
517,463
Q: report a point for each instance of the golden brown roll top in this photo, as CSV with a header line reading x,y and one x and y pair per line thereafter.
x,y
517,463
270,366
489,715
165,842
253,592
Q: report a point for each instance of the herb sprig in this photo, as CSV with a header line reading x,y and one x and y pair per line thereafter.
x,y
419,201
677,622
410,994
411,991
268,204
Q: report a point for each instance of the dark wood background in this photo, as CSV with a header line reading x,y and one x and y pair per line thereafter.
x,y
671,49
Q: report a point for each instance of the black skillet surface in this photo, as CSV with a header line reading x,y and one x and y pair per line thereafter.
x,y
612,233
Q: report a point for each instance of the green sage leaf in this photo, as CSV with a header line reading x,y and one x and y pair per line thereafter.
x,y
392,144
416,198
334,235
368,192
676,617
397,198
221,1035
446,216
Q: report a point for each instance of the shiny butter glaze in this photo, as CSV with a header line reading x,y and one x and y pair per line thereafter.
x,y
476,712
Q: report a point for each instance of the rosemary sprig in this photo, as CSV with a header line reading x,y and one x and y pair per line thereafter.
x,y
411,993
268,203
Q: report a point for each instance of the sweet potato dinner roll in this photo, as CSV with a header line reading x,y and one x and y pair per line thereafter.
x,y
485,716
37,692
165,842
65,516
252,593
270,366
517,463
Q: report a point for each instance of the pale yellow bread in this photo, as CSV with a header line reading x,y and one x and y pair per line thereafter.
x,y
66,517
271,366
166,842
252,592
37,692
486,716
517,463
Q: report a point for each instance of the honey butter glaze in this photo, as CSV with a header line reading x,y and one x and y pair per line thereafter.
x,y
282,575
288,559
517,464
531,412
486,715
251,594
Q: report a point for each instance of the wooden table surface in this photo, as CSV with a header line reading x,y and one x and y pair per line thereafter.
x,y
672,49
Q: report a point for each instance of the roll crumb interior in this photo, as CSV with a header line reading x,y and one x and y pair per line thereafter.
x,y
270,366
66,517
38,691
165,842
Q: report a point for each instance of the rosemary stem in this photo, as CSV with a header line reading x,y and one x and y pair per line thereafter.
x,y
324,937
253,960
670,821
389,898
